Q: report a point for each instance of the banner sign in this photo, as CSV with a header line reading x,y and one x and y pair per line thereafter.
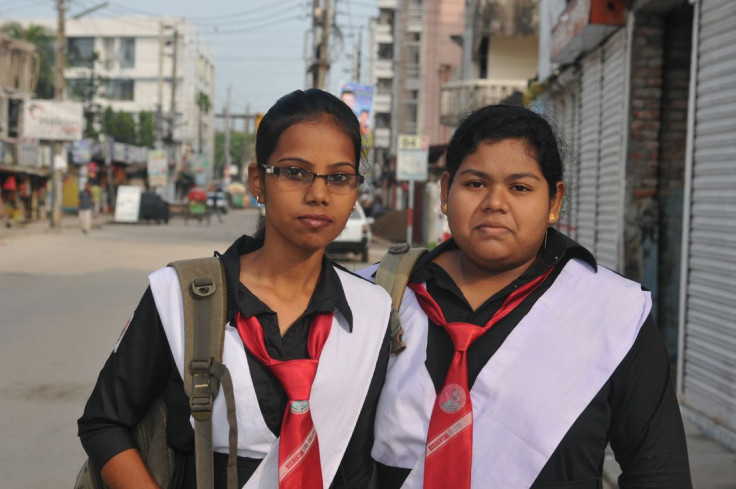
x,y
82,151
360,99
157,168
53,120
412,158
128,203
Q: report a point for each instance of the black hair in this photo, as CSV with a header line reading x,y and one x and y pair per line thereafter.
x,y
495,123
301,106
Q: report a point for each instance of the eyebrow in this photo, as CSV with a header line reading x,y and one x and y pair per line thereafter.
x,y
296,159
513,176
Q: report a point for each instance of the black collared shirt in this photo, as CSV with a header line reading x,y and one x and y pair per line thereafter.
x,y
636,410
143,369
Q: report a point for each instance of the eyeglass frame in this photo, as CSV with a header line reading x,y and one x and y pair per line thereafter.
x,y
276,170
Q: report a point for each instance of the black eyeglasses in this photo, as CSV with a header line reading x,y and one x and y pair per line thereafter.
x,y
295,177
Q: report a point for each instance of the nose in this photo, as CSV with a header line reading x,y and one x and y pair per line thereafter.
x,y
495,199
317,192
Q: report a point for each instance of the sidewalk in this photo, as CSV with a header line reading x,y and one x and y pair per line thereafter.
x,y
712,465
42,226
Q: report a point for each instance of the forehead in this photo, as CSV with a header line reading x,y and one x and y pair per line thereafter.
x,y
319,140
507,155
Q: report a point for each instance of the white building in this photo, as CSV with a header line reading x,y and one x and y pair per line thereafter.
x,y
134,56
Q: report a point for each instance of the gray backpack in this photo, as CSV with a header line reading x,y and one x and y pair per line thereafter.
x,y
204,295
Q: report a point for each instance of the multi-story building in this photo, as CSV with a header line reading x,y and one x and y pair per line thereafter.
x,y
500,46
140,62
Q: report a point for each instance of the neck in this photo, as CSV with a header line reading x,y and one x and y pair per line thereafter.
x,y
476,282
282,270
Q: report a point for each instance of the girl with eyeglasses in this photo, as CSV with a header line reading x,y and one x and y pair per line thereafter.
x,y
296,321
524,357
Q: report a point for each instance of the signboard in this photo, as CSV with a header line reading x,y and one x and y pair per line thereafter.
x,y
53,120
82,151
28,153
127,204
412,157
158,167
360,99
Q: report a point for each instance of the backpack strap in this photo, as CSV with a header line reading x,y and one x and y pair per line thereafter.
x,y
393,275
204,297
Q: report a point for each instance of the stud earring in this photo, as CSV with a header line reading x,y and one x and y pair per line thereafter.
x,y
444,207
258,199
552,217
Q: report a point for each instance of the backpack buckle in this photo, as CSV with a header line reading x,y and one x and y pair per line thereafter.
x,y
203,287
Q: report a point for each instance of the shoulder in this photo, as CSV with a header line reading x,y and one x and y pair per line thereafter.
x,y
360,284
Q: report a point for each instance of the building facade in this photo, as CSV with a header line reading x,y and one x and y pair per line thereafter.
x,y
135,64
643,94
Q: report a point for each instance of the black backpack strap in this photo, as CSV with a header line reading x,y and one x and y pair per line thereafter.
x,y
393,275
204,298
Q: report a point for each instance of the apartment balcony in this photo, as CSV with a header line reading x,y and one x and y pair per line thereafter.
x,y
383,68
382,137
393,4
462,96
382,102
383,34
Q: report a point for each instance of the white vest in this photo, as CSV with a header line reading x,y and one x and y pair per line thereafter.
x,y
346,365
531,390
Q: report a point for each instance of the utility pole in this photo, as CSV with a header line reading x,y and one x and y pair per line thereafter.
x,y
323,65
228,158
56,179
357,53
172,117
246,147
160,99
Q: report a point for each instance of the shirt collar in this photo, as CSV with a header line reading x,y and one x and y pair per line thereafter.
x,y
328,294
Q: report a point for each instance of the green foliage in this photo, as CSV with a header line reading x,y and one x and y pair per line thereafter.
x,y
120,125
146,131
203,102
43,39
236,151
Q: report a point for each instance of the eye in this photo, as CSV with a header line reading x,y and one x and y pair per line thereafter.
x,y
340,179
520,188
474,184
295,173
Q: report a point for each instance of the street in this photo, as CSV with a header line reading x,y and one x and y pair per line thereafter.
x,y
65,299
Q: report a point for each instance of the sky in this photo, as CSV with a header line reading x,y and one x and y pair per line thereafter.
x,y
258,44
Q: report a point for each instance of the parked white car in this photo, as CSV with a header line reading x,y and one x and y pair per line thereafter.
x,y
356,237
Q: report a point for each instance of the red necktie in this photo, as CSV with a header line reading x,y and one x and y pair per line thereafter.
x,y
449,450
299,463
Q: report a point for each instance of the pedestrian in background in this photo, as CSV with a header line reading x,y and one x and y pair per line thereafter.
x,y
86,203
289,309
524,357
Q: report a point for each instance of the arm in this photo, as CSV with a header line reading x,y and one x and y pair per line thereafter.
x,y
357,468
135,374
126,469
647,435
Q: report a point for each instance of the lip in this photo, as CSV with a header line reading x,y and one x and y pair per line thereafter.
x,y
492,228
315,221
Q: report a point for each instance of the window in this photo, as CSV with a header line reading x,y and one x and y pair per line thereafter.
x,y
120,90
384,86
80,51
385,51
127,52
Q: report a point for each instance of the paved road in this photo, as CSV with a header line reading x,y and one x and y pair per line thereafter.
x,y
64,299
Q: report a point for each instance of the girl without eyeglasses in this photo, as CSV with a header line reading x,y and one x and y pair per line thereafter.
x,y
306,342
524,357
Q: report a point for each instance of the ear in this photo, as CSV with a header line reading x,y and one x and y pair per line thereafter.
x,y
555,203
444,191
255,182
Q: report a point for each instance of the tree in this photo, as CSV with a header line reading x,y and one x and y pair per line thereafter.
x,y
204,105
120,125
236,151
44,40
146,133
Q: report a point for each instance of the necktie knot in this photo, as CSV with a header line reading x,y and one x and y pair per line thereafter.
x,y
296,377
463,334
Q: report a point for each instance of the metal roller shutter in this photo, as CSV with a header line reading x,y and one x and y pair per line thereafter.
x,y
610,149
590,114
707,380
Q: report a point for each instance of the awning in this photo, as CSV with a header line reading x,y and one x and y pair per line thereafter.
x,y
28,170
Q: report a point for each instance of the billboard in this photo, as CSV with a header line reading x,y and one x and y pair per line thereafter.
x,y
53,120
158,167
360,99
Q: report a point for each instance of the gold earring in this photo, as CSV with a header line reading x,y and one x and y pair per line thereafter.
x,y
444,207
551,217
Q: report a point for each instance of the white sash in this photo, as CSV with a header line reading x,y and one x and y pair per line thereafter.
x,y
531,390
346,365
